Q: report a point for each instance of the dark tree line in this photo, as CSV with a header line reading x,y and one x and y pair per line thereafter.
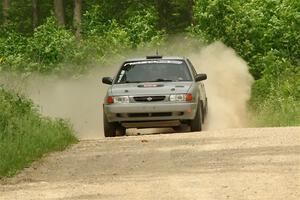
x,y
174,15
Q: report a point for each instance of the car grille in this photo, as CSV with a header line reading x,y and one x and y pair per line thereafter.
x,y
149,98
160,114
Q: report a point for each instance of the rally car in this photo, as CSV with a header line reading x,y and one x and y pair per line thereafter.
x,y
154,92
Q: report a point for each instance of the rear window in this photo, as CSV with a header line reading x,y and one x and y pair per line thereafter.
x,y
153,71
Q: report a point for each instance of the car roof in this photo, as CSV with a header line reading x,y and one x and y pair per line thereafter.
x,y
156,58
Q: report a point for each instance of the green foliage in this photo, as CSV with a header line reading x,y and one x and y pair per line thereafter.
x,y
275,97
251,27
266,35
25,136
138,27
94,47
277,109
20,15
52,47
278,73
142,26
50,44
12,50
94,22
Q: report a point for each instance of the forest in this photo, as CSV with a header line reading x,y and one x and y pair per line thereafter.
x,y
63,37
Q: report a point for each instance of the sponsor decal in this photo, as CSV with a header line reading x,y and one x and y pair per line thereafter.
x,y
178,62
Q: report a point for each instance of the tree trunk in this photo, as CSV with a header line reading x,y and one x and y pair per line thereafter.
x,y
6,5
35,14
162,7
191,13
59,11
77,18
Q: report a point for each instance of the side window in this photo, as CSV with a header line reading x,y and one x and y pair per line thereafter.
x,y
192,67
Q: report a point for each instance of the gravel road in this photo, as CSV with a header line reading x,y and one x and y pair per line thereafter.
x,y
234,164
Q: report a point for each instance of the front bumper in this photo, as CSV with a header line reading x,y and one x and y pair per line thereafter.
x,y
137,112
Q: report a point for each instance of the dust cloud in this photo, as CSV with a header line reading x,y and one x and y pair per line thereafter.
x,y
228,86
80,100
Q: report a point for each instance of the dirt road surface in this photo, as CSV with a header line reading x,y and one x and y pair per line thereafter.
x,y
234,164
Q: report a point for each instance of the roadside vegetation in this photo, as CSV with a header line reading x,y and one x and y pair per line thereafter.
x,y
64,37
25,135
266,35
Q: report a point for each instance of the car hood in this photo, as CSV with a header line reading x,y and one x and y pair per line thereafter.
x,y
156,88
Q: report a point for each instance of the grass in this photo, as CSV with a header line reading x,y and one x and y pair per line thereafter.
x,y
279,112
25,136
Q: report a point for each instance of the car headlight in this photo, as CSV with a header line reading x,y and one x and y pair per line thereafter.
x,y
121,99
181,97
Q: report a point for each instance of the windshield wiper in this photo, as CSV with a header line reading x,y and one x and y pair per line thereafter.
x,y
157,80
161,80
133,81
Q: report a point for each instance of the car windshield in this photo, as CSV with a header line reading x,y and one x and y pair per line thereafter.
x,y
153,71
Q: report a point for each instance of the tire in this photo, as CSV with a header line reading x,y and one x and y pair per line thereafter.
x,y
196,123
109,127
121,131
206,108
177,128
203,113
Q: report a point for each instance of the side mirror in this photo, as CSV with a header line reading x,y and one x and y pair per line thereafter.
x,y
200,77
107,80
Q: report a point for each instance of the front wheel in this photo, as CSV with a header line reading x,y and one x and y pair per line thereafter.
x,y
177,128
109,127
121,131
196,123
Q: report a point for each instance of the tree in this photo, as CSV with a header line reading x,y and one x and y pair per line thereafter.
x,y
6,5
34,13
162,7
175,15
59,11
191,4
77,18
